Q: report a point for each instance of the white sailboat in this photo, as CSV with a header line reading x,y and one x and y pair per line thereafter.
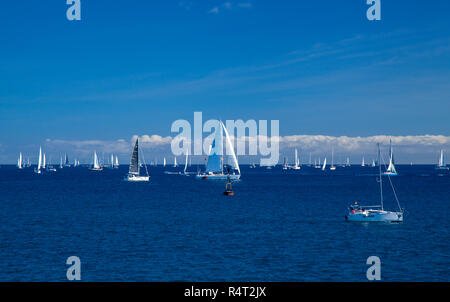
x,y
66,161
96,165
363,164
375,213
175,162
391,168
116,163
19,161
215,164
373,163
134,170
332,167
61,164
39,167
347,163
441,165
324,164
44,162
164,162
296,165
285,164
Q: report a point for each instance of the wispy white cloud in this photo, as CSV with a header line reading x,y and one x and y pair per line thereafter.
x,y
214,10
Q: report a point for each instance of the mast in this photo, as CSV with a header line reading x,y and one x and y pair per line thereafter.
x,y
381,180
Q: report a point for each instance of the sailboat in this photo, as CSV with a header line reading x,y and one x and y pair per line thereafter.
x,y
347,163
296,165
19,161
96,166
324,164
391,168
285,165
66,161
175,162
332,167
375,213
441,165
116,163
134,170
373,163
215,165
61,164
38,169
186,163
164,162
363,164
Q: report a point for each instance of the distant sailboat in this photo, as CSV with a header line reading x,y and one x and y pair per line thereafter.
x,y
347,163
19,161
175,162
373,163
296,165
324,164
332,167
66,161
134,170
39,167
96,165
441,164
44,162
376,213
363,164
164,162
215,165
285,165
61,164
116,164
391,168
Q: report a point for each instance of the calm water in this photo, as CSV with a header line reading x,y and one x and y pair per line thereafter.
x,y
280,226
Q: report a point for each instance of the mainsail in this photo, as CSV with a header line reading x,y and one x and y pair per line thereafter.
x,y
215,160
19,162
40,159
134,162
391,167
187,158
324,164
441,159
96,163
234,161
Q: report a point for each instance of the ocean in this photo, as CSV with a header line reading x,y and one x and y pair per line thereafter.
x,y
279,226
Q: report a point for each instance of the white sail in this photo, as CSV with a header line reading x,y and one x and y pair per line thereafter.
x,y
164,162
112,160
187,160
44,164
96,163
234,161
175,162
363,164
40,159
61,163
117,162
441,159
348,162
19,162
391,167
324,164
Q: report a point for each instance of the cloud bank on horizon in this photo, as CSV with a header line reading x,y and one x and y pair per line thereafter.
x,y
419,148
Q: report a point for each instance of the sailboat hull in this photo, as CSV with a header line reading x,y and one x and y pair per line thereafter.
x,y
375,216
390,173
218,176
96,169
137,178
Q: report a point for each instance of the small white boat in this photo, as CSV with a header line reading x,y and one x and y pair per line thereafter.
x,y
363,164
375,213
134,170
391,168
215,164
441,165
96,166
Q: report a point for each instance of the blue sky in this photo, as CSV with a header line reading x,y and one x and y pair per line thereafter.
x,y
133,67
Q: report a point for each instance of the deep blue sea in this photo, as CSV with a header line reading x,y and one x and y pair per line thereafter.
x,y
279,226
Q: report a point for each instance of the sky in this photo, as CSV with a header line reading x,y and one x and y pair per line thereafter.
x,y
133,67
